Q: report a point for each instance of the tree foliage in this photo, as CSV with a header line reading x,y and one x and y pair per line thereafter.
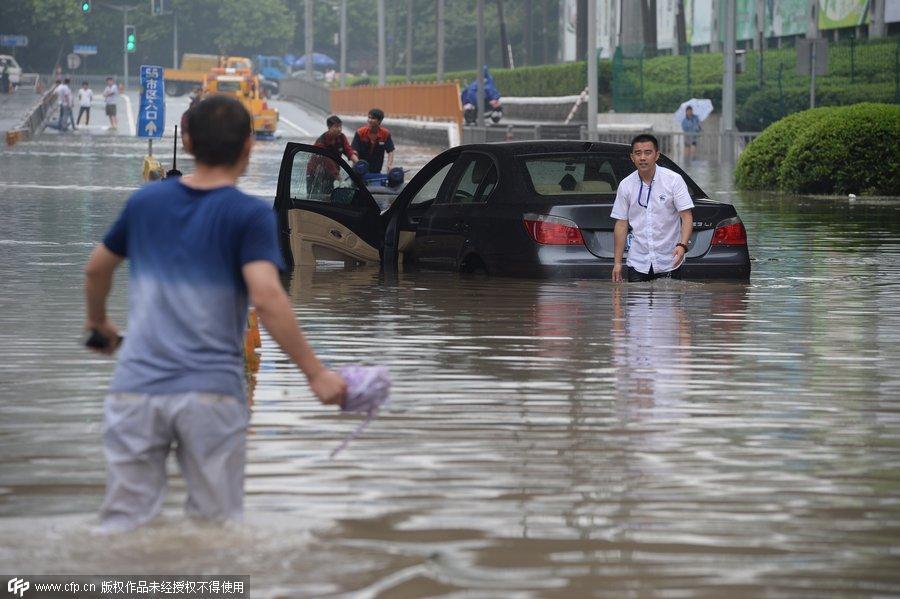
x,y
248,27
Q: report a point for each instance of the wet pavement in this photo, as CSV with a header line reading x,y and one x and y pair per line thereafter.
x,y
545,438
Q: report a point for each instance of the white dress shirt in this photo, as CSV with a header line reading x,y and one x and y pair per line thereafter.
x,y
656,228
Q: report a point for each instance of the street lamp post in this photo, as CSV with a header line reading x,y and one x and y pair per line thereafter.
x,y
343,43
382,73
309,39
592,70
479,67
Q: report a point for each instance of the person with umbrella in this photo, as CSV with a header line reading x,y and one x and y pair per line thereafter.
x,y
690,124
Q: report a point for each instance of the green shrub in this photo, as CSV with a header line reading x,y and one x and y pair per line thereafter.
x,y
759,163
763,107
852,149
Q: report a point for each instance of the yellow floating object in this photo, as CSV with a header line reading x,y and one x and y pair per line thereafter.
x,y
153,170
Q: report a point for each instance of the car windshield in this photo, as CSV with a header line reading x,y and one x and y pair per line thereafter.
x,y
577,174
229,86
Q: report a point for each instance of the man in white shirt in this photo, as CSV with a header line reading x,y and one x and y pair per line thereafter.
x,y
85,97
656,203
64,94
111,94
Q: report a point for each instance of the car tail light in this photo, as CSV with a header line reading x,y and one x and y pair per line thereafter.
x,y
730,232
552,230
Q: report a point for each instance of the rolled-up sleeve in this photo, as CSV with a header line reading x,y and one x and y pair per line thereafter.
x,y
681,195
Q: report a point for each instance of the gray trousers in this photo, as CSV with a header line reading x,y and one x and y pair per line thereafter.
x,y
209,431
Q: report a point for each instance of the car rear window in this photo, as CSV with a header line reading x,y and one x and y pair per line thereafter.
x,y
576,174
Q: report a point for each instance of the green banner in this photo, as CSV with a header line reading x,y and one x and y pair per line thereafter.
x,y
835,14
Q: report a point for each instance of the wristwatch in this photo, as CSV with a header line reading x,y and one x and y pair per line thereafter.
x,y
684,245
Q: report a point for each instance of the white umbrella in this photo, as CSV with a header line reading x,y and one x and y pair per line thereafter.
x,y
702,109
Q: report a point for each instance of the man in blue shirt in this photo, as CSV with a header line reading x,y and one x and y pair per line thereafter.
x,y
199,249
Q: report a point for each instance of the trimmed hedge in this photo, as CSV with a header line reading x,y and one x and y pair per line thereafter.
x,y
759,163
850,149
853,149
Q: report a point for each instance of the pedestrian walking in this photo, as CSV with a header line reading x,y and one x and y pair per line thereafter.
x,y
372,142
85,97
199,249
655,202
111,96
690,125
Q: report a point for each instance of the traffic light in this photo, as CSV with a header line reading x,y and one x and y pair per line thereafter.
x,y
157,7
130,38
85,6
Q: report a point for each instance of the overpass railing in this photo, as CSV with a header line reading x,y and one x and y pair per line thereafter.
x,y
308,92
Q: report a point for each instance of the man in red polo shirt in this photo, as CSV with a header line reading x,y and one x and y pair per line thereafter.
x,y
321,171
372,142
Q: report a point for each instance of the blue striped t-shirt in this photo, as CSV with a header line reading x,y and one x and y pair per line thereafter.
x,y
187,297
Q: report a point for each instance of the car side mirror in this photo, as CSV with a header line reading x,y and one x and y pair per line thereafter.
x,y
343,196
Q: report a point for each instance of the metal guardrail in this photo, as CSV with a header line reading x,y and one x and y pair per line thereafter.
x,y
35,119
310,93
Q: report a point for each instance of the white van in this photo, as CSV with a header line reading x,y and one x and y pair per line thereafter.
x,y
15,71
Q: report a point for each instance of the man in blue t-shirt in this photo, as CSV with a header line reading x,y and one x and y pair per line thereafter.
x,y
199,249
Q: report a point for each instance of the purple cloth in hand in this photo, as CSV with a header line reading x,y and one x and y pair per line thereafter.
x,y
368,388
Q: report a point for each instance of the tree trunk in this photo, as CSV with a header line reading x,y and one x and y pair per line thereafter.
x,y
504,43
648,18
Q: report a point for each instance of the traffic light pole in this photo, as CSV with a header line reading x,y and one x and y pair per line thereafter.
x,y
124,10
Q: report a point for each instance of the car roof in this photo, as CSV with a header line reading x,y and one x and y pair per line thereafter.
x,y
542,146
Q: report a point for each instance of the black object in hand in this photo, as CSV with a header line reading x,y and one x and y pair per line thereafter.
x,y
97,340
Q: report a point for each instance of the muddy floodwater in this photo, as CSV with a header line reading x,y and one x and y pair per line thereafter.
x,y
544,438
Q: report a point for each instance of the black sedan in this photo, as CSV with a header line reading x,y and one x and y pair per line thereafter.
x,y
537,208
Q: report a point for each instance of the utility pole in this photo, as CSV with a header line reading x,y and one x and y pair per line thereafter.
x,y
343,43
728,81
812,33
440,40
382,74
409,39
174,38
876,26
760,37
124,10
592,106
479,67
308,35
715,44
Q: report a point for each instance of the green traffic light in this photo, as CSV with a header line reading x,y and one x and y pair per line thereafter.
x,y
85,7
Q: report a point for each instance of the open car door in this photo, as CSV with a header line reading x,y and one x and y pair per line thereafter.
x,y
324,210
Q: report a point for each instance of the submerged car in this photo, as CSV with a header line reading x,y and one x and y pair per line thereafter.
x,y
533,208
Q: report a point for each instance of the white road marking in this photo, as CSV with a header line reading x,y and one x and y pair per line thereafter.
x,y
296,126
131,124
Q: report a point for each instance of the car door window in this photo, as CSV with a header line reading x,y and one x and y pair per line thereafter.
x,y
429,191
318,178
477,181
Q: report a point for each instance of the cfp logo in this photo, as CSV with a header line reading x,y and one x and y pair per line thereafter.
x,y
18,586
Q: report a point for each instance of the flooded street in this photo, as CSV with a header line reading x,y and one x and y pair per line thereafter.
x,y
544,438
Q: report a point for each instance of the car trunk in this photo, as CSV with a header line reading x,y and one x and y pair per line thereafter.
x,y
597,225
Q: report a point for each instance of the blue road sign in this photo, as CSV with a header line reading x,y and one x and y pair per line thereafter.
x,y
13,41
152,113
84,49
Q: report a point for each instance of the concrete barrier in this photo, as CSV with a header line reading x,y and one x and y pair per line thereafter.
x,y
305,92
